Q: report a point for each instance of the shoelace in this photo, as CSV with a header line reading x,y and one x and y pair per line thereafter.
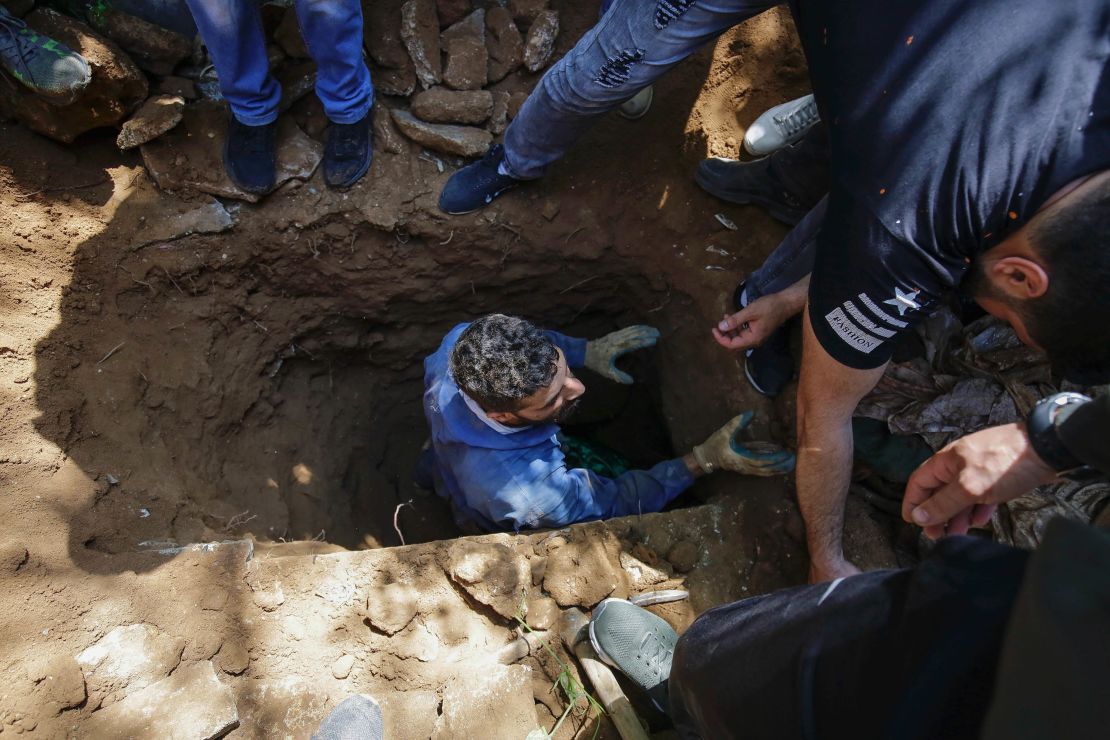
x,y
658,651
11,28
798,119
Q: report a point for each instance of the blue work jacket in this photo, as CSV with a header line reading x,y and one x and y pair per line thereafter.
x,y
516,481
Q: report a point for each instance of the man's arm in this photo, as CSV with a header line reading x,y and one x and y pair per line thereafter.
x,y
828,393
962,485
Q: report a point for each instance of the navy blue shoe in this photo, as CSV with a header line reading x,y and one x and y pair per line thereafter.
x,y
347,153
250,156
770,366
476,185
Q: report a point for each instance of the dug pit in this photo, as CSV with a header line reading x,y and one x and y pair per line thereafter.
x,y
265,393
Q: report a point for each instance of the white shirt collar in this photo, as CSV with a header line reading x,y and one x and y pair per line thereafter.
x,y
481,414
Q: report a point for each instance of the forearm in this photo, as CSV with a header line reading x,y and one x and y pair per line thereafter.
x,y
794,297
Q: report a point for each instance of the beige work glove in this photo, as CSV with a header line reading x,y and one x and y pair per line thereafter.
x,y
602,354
723,451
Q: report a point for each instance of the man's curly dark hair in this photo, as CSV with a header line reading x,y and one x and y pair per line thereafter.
x,y
499,360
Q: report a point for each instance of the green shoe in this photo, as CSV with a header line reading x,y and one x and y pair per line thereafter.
x,y
43,65
637,643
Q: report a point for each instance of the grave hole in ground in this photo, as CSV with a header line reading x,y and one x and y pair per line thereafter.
x,y
303,420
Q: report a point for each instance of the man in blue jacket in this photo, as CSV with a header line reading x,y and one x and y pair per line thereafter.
x,y
496,390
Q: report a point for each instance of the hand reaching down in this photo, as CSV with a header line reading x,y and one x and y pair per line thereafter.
x,y
723,451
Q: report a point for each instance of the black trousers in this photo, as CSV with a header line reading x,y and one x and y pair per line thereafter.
x,y
890,654
979,640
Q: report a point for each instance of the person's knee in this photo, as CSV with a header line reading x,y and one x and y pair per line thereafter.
x,y
595,85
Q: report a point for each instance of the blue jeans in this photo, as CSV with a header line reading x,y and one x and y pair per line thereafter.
x,y
633,44
332,31
792,259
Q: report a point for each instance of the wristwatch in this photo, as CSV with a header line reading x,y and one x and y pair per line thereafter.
x,y
1044,437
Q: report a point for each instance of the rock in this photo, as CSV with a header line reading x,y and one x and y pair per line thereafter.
x,y
177,86
540,42
640,574
202,216
516,100
198,140
503,43
59,683
683,556
464,141
525,12
117,86
288,36
499,116
472,26
341,668
470,702
392,69
192,703
386,135
550,210
13,556
214,599
269,598
543,613
390,608
233,658
409,713
127,659
465,46
420,32
583,572
491,573
466,64
440,105
452,11
155,117
297,80
154,48
538,565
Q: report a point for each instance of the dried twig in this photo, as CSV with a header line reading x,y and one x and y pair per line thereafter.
x,y
578,284
396,513
571,234
179,290
112,351
447,241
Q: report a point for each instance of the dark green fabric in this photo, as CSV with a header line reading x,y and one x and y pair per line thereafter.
x,y
892,456
594,456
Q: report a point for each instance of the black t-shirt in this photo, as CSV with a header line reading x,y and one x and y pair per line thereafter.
x,y
951,122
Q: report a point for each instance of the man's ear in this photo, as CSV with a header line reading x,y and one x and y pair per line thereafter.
x,y
502,417
1019,277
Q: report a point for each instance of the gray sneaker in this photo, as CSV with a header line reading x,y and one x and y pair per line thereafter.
x,y
637,643
357,717
43,65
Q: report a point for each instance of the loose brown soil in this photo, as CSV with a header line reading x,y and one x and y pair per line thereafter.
x,y
264,383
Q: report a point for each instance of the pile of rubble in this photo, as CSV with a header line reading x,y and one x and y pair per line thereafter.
x,y
449,75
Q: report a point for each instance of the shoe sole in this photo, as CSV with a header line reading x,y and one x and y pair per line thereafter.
x,y
788,218
492,198
755,385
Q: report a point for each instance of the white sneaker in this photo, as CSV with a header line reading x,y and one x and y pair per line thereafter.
x,y
636,106
782,125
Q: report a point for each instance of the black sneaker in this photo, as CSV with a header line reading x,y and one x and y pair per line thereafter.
x,y
476,185
250,156
788,183
636,642
347,153
770,366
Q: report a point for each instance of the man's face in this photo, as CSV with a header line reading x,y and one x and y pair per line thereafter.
x,y
555,402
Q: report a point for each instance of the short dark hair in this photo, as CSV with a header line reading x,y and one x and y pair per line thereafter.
x,y
1071,321
500,360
